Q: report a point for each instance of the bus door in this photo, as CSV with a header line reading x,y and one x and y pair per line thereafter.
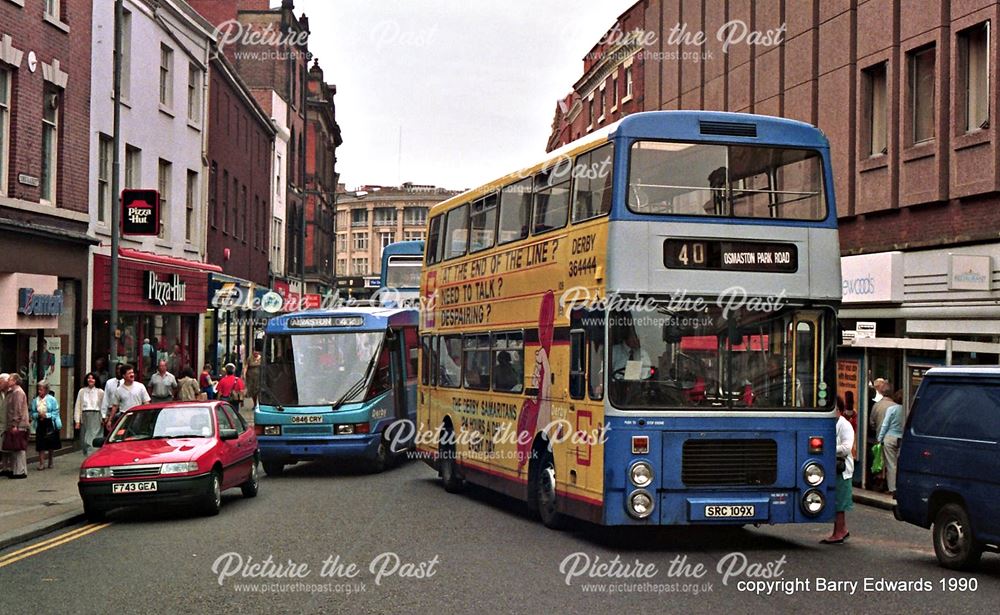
x,y
807,332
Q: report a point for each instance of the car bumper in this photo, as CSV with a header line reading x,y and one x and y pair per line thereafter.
x,y
342,447
180,491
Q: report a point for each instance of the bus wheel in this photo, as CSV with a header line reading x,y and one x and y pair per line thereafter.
x,y
545,493
273,468
383,458
448,469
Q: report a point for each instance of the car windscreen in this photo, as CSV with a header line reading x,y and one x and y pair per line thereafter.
x,y
318,369
170,422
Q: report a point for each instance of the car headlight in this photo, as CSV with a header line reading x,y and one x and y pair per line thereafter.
x,y
640,504
95,472
813,502
179,468
345,430
813,473
641,474
272,430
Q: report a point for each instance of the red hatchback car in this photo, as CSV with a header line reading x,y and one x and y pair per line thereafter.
x,y
171,453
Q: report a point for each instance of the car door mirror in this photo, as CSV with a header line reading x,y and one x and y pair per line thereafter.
x,y
228,434
98,442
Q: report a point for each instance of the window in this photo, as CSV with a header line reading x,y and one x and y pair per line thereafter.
x,y
163,184
592,183
974,69
105,155
385,216
359,217
415,216
359,266
456,234
50,143
194,93
236,207
628,83
225,202
922,94
360,241
515,210
428,345
387,237
244,214
126,54
484,223
961,410
614,92
590,112
508,362
414,235
604,105
133,166
190,199
878,109
341,266
277,237
5,90
476,362
577,364
433,252
52,9
450,366
166,75
342,242
234,417
551,200
277,173
213,195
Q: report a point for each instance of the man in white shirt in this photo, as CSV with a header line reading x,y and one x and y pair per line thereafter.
x,y
628,351
109,391
163,384
128,395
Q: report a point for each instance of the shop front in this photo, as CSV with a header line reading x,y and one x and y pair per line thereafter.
x,y
234,323
906,312
161,303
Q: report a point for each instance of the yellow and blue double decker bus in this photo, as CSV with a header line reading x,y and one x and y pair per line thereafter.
x,y
640,329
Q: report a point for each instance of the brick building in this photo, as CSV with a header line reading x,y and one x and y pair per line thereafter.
x,y
372,217
322,139
44,126
904,91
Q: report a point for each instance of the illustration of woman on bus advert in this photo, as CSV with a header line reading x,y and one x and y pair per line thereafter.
x,y
538,411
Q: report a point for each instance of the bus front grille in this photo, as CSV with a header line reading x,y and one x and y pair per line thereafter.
x,y
729,462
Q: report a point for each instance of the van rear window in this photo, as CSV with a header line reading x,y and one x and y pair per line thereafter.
x,y
959,410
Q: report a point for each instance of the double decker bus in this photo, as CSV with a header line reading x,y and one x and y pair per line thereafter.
x,y
399,280
640,329
333,382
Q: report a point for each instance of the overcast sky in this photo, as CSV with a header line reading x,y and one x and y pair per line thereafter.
x,y
472,85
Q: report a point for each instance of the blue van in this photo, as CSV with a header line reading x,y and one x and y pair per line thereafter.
x,y
949,463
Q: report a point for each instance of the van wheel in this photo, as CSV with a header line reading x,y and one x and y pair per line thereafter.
x,y
273,468
545,493
448,469
954,544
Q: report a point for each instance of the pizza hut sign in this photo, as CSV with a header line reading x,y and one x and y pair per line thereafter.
x,y
140,212
163,292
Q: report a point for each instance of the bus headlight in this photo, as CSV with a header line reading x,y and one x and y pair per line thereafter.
x,y
641,474
813,502
640,504
813,473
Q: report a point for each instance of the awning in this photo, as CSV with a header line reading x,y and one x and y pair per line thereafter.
x,y
172,261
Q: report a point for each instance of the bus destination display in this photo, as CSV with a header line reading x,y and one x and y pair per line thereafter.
x,y
730,255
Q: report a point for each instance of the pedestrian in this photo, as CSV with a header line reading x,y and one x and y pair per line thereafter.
x,y
206,382
251,372
231,387
87,413
4,384
188,388
110,388
163,384
15,437
128,395
875,418
47,424
844,500
889,437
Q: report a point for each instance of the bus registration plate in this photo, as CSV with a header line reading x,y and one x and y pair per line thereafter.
x,y
742,510
307,419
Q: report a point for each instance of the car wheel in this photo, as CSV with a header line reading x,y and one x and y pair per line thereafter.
x,y
448,469
954,544
213,498
274,468
545,493
93,513
251,487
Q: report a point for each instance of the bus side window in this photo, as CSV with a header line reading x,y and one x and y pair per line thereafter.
x,y
411,352
450,361
484,223
592,183
428,361
476,362
456,232
508,362
515,209
434,242
577,364
551,200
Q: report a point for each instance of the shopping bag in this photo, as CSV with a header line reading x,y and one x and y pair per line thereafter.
x,y
877,462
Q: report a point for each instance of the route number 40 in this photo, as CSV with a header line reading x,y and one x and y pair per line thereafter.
x,y
692,254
